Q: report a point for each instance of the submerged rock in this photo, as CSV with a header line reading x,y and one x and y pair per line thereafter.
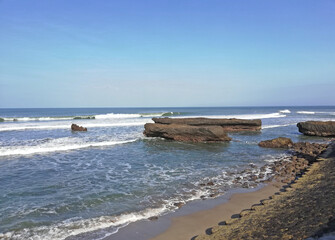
x,y
317,128
186,133
75,127
280,142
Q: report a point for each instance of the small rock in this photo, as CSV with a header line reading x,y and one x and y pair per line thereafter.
x,y
178,204
210,183
75,127
153,218
280,142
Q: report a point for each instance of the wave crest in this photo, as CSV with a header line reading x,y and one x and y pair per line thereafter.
x,y
57,145
86,117
285,111
305,112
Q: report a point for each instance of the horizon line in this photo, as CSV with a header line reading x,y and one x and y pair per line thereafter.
x,y
252,106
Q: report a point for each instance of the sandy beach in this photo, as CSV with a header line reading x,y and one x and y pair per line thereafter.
x,y
186,227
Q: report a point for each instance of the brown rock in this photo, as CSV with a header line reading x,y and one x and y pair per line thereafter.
x,y
178,204
280,142
75,127
210,184
186,133
317,128
229,125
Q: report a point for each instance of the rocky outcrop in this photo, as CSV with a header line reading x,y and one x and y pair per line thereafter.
x,y
198,129
280,142
302,210
186,133
308,151
75,127
317,128
229,125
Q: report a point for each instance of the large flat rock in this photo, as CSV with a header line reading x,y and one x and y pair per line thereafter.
x,y
317,128
186,133
229,125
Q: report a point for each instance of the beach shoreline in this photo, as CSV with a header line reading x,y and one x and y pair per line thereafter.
x,y
188,221
199,217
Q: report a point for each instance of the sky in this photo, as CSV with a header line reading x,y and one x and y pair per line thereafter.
x,y
169,53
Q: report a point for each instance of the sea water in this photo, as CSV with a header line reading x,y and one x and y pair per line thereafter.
x,y
55,183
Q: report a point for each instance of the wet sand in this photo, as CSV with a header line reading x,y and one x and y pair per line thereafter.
x,y
194,217
186,227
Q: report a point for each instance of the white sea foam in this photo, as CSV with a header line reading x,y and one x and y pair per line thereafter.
x,y
321,113
73,227
134,115
275,126
56,145
305,112
20,127
87,117
243,116
76,226
25,119
116,115
285,111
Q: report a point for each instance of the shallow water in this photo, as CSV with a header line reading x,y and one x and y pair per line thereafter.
x,y
56,183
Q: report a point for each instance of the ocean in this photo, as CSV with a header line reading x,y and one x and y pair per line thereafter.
x,y
56,183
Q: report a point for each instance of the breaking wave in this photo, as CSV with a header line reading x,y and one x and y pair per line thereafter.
x,y
321,113
276,126
69,228
98,116
68,126
21,119
285,111
56,145
305,112
246,116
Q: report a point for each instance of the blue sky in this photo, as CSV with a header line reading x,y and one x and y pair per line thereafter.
x,y
166,53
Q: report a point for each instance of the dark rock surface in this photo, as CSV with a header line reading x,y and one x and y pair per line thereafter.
x,y
280,142
75,127
186,133
317,128
229,125
198,129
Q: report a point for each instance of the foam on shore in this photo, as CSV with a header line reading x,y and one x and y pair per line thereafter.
x,y
98,225
68,126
